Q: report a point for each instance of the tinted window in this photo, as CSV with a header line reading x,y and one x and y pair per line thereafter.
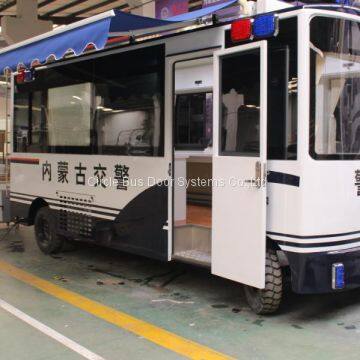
x,y
36,130
129,103
107,105
22,122
282,92
193,121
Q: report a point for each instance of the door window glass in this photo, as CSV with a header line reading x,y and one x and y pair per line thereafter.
x,y
240,110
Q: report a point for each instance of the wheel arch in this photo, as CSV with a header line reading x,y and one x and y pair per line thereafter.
x,y
271,244
37,204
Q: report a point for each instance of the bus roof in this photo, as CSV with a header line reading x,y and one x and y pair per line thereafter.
x,y
117,27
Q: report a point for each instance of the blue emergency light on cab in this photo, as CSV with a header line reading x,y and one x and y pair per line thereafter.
x,y
265,26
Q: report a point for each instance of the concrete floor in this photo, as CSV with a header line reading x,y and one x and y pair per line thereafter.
x,y
184,300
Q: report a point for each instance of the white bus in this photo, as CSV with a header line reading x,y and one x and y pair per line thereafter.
x,y
233,145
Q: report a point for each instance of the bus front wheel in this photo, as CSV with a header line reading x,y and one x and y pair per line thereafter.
x,y
267,301
46,235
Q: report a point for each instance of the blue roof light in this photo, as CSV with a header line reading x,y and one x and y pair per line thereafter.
x,y
265,26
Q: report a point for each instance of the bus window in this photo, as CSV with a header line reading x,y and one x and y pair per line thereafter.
x,y
69,115
28,131
282,93
129,103
335,89
21,122
129,125
36,132
110,105
193,121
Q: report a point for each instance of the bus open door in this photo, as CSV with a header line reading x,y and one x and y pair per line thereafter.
x,y
239,164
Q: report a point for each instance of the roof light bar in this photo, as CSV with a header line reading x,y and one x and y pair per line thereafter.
x,y
265,26
241,30
262,26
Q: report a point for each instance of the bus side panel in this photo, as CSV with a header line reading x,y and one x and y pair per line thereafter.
x,y
19,211
132,220
139,228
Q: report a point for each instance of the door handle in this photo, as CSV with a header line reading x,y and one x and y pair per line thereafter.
x,y
258,171
264,178
257,180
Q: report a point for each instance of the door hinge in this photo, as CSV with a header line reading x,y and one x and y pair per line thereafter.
x,y
170,169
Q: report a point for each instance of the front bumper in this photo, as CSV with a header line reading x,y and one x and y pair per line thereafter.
x,y
312,273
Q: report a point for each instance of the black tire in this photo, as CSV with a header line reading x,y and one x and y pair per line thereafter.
x,y
267,301
47,238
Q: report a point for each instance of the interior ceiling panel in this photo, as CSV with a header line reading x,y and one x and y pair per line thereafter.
x,y
68,11
93,7
51,5
121,5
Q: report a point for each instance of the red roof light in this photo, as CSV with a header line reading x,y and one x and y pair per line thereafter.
x,y
241,30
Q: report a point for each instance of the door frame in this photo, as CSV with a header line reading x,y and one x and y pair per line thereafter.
x,y
170,64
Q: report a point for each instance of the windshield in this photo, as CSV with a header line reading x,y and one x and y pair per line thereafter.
x,y
335,88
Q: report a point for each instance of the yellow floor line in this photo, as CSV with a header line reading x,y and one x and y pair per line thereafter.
x,y
139,327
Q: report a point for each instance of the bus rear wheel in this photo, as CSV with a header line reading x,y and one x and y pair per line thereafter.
x,y
47,238
267,301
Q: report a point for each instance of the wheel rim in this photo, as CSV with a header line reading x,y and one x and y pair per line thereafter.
x,y
44,234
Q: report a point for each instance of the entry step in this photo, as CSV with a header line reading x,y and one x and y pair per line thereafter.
x,y
192,244
194,257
